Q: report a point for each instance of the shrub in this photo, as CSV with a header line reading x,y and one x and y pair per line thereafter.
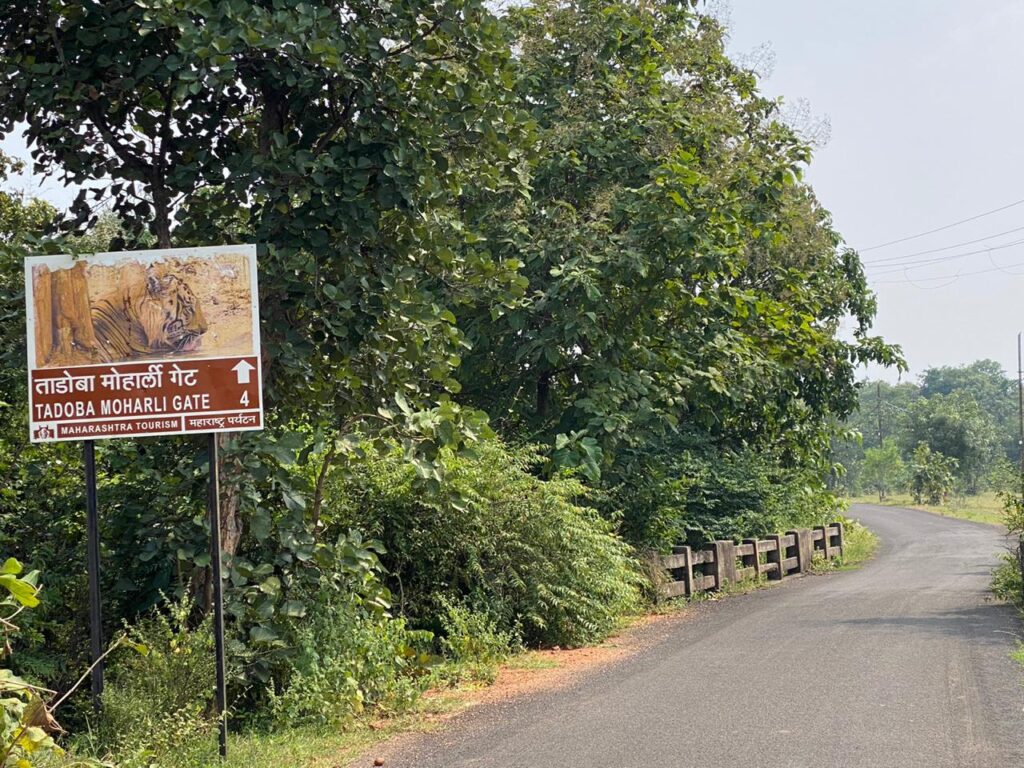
x,y
157,707
1007,583
350,657
932,475
494,537
702,493
26,723
473,645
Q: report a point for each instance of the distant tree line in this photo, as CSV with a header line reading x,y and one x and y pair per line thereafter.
x,y
954,431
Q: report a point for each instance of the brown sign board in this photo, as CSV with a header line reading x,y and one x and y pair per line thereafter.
x,y
140,343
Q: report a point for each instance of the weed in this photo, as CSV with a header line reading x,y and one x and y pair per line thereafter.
x,y
1006,580
859,545
473,645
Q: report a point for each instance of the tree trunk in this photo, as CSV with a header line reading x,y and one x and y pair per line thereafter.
x,y
230,501
161,216
321,478
63,316
543,394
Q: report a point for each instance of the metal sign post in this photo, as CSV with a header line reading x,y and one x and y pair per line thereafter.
x,y
92,542
213,507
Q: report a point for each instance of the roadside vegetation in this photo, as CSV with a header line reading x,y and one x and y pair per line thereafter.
x,y
1008,576
1007,579
859,545
541,293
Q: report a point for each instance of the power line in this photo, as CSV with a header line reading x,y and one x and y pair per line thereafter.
x,y
888,269
942,228
953,278
944,248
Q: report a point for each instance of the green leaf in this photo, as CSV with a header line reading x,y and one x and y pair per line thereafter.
x,y
270,585
294,500
140,648
262,635
22,592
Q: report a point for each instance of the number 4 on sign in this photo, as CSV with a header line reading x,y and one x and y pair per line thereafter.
x,y
244,399
243,370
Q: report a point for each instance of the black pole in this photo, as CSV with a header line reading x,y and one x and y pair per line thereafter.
x,y
1020,411
878,408
92,544
213,507
1020,443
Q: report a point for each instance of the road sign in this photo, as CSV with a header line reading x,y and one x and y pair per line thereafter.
x,y
141,343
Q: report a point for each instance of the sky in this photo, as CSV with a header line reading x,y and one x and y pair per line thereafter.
x,y
927,129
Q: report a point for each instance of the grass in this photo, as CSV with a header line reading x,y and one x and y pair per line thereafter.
x,y
318,746
859,545
531,660
983,508
325,747
1018,655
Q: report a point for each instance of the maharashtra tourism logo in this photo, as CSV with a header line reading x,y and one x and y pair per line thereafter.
x,y
44,432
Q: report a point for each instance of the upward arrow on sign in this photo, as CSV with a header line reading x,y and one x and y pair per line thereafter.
x,y
243,370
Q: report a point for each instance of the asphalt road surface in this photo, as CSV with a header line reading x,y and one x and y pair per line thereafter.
x,y
900,664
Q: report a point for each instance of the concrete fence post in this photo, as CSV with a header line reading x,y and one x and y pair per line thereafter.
x,y
804,549
826,547
752,560
842,541
687,569
776,556
725,563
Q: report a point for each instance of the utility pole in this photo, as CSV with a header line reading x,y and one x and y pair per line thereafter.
x,y
1020,445
1020,411
878,408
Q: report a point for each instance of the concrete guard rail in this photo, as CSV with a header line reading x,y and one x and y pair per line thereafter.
x,y
727,562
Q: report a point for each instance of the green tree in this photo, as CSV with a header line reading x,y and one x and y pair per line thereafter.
x,y
955,426
684,284
880,413
338,136
932,475
988,384
883,468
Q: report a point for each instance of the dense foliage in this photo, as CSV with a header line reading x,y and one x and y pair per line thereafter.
x,y
578,226
497,538
965,417
684,284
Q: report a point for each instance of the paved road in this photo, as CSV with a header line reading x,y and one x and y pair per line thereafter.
x,y
903,663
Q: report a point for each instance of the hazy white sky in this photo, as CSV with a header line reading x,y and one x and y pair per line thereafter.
x,y
927,128
924,99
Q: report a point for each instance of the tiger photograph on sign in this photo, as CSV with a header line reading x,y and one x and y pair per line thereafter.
x,y
156,305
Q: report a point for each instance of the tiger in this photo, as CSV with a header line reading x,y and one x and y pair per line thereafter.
x,y
148,315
